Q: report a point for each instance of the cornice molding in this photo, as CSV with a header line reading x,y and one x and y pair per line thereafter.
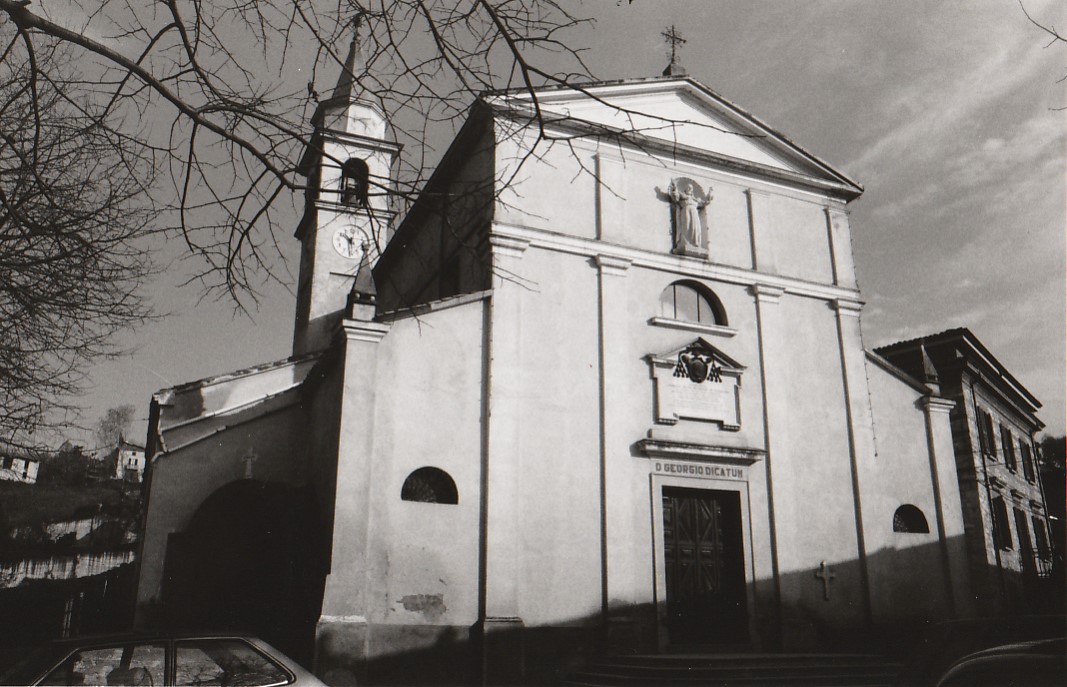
x,y
679,450
369,332
847,307
508,245
936,404
668,262
764,293
610,264
361,141
713,329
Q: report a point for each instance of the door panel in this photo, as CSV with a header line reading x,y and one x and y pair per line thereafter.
x,y
704,560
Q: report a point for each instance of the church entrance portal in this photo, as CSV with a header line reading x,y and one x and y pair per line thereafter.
x,y
249,561
703,550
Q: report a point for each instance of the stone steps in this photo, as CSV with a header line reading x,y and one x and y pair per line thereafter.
x,y
743,670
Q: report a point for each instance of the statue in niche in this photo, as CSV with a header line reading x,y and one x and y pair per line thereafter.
x,y
688,217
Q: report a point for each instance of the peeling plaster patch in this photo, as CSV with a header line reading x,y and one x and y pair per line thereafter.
x,y
431,606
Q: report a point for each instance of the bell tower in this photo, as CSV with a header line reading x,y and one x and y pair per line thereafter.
x,y
348,164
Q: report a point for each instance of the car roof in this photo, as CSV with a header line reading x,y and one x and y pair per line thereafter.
x,y
1041,646
144,636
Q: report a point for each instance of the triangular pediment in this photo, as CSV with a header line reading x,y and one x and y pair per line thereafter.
x,y
698,346
686,115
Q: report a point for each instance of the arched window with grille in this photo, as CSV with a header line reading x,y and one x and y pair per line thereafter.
x,y
690,301
429,485
909,518
355,182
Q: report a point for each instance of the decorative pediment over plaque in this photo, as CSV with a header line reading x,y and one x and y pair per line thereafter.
x,y
697,382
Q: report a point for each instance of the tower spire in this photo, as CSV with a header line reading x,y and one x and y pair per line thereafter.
x,y
354,63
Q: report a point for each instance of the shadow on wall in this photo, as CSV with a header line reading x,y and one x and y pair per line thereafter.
x,y
250,560
910,609
253,559
38,611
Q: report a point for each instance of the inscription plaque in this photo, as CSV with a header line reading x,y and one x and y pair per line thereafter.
x,y
714,395
699,470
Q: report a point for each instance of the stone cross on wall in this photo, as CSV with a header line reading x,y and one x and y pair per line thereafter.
x,y
826,574
248,459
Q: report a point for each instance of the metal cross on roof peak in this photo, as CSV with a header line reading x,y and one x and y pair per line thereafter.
x,y
675,39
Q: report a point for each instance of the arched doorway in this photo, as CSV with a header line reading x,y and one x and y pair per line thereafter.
x,y
250,560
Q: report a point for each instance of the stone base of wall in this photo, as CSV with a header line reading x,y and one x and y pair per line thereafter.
x,y
498,651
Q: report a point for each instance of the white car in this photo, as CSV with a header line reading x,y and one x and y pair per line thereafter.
x,y
159,660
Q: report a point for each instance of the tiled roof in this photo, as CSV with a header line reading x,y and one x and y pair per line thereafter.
x,y
967,337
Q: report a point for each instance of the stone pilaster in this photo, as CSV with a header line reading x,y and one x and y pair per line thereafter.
x,y
610,198
840,238
947,503
762,249
342,632
501,625
860,427
772,359
617,493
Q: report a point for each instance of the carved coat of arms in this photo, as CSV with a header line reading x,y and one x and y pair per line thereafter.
x,y
698,365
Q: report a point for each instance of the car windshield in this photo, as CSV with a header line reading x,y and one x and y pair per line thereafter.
x,y
224,661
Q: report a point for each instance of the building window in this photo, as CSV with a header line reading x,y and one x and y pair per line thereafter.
x,y
909,518
1028,460
1007,445
355,182
1026,547
1001,528
985,434
429,485
1041,535
691,302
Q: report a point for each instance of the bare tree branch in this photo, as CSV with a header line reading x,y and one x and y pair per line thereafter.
x,y
196,116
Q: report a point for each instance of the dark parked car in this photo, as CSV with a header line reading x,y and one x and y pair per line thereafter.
x,y
1027,664
158,660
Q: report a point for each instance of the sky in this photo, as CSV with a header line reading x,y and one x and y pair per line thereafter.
x,y
944,110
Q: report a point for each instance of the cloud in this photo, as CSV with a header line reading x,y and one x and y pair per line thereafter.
x,y
927,114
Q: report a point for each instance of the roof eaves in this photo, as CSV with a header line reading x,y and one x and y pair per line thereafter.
x,y
237,374
895,371
965,336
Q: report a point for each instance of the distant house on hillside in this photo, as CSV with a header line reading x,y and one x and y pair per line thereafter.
x,y
124,461
18,465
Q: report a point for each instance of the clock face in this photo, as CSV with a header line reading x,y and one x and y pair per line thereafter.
x,y
349,242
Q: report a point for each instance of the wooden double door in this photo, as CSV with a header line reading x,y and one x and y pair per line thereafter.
x,y
703,548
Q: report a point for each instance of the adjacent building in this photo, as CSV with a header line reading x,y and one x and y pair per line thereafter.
x,y
994,436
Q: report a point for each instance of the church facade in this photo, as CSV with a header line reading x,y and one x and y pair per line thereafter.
x,y
602,389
